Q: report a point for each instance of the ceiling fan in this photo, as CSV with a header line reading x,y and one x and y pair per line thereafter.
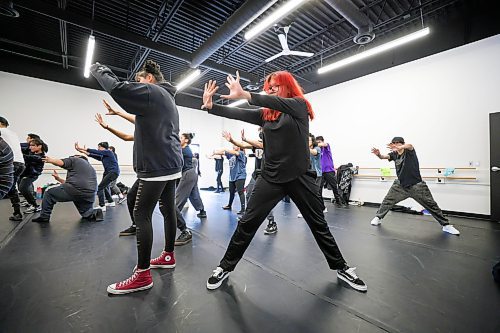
x,y
283,37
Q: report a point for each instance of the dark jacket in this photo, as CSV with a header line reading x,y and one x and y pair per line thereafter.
x,y
286,150
157,148
34,165
108,159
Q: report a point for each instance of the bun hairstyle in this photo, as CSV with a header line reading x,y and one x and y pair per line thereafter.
x,y
150,67
188,136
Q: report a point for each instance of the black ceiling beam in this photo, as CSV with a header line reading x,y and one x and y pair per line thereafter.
x,y
126,36
142,54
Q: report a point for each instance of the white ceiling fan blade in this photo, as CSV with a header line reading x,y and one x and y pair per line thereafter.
x,y
302,54
274,57
284,44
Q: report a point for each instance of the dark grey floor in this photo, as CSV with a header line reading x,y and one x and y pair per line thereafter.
x,y
53,278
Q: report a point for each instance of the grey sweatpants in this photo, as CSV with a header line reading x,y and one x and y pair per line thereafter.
x,y
419,192
184,190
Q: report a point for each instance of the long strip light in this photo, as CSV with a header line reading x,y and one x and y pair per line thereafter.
x,y
88,58
274,17
189,79
375,50
242,101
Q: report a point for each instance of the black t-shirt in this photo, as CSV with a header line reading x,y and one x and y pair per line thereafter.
x,y
407,167
219,164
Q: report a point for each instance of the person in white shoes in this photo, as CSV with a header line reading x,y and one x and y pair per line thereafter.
x,y
409,184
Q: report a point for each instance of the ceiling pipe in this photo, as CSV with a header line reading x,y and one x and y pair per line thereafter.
x,y
240,19
352,14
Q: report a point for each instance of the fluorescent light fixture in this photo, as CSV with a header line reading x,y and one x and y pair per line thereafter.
x,y
274,17
88,58
242,101
188,79
375,50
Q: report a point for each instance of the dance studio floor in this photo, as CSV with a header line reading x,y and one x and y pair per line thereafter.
x,y
53,277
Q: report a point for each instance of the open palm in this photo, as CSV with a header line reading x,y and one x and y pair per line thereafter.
x,y
208,93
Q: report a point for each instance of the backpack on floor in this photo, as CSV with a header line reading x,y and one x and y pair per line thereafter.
x,y
345,174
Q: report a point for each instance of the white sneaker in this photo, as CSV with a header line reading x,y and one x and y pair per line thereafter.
x,y
326,210
103,208
376,221
451,230
33,209
299,216
110,204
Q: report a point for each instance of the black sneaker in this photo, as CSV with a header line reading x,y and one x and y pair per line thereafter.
x,y
130,231
40,219
184,238
226,207
202,214
271,228
17,217
216,279
347,275
241,212
98,215
122,200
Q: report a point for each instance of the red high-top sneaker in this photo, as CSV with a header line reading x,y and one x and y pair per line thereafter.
x,y
140,280
165,260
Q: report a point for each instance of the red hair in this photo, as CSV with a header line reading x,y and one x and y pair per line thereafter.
x,y
290,88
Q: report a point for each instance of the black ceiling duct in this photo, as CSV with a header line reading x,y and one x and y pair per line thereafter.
x,y
7,9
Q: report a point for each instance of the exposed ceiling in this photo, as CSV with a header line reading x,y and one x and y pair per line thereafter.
x,y
50,36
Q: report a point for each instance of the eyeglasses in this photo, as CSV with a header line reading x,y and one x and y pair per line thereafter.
x,y
273,88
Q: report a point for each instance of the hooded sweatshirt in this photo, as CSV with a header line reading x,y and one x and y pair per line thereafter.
x,y
157,148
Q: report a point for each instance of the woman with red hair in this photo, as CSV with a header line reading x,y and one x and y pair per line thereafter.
x,y
284,117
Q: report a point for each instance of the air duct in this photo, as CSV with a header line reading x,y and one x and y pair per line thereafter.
x,y
352,14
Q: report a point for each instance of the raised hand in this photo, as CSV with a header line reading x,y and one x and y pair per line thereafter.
x,y
111,111
55,174
100,121
235,89
80,148
376,151
393,146
208,93
243,135
226,135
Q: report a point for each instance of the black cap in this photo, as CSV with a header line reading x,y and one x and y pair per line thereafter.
x,y
104,145
398,139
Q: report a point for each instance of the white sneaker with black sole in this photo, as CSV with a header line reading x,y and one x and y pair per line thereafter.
x,y
217,278
347,275
33,209
376,221
103,208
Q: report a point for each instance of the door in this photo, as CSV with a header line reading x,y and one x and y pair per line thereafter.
x,y
495,165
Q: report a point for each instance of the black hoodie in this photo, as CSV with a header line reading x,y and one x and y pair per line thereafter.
x,y
157,148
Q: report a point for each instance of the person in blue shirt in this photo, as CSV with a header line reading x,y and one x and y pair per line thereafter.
x,y
237,174
111,171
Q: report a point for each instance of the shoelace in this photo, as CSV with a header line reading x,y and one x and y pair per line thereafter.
x,y
350,271
162,255
217,272
129,280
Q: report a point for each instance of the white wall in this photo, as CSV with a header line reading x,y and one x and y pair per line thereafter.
x,y
62,114
440,104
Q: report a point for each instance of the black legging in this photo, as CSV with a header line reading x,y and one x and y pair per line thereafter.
x,y
131,198
239,186
26,189
304,193
219,180
330,179
148,194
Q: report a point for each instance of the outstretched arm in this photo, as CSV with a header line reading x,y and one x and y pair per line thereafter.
x,y
123,114
377,153
226,135
121,135
252,143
